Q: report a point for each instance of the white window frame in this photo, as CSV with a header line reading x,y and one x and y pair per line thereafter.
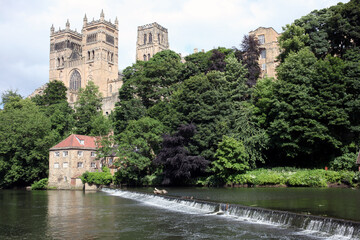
x,y
56,165
263,66
65,164
93,164
93,154
80,153
263,53
65,153
261,39
57,154
80,164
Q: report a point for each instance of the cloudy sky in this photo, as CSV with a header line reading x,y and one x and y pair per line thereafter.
x,y
203,24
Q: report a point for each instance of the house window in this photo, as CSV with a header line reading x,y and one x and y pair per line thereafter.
x,y
263,66
65,153
93,154
263,53
56,165
57,154
261,39
80,165
65,165
93,165
110,161
80,153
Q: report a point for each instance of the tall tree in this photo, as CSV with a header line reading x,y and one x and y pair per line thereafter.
x,y
88,111
25,139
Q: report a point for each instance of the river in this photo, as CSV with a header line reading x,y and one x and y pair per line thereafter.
x,y
113,214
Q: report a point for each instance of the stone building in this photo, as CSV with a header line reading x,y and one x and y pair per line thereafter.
x,y
151,39
269,47
69,159
92,55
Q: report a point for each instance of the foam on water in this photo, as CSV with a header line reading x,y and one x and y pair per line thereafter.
x,y
321,227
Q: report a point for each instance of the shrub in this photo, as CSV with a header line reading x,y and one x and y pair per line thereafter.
x,y
40,185
344,162
100,178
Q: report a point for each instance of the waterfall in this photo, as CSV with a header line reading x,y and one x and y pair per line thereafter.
x,y
331,227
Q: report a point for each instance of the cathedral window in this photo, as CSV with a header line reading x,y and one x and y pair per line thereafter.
x,y
91,38
88,55
58,62
112,57
150,38
110,88
149,56
159,37
62,61
75,80
144,57
145,40
93,54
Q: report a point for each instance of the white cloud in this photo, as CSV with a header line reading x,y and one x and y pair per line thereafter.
x,y
204,24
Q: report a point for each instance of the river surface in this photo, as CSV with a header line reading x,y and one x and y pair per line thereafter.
x,y
108,215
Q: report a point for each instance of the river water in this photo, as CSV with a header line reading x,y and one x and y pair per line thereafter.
x,y
112,214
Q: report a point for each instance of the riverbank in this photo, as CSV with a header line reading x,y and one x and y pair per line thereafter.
x,y
292,177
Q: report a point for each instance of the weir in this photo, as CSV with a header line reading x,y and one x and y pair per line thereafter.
x,y
330,227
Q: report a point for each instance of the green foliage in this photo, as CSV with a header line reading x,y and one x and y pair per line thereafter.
x,y
40,185
99,178
231,159
293,39
347,161
25,139
88,114
295,177
8,96
138,146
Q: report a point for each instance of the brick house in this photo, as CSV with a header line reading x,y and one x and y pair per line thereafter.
x,y
69,159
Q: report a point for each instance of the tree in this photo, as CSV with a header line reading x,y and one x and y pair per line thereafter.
x,y
178,166
25,139
88,110
293,39
231,159
8,96
138,146
249,55
217,61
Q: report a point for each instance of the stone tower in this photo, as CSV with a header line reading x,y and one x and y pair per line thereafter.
x,y
151,39
76,58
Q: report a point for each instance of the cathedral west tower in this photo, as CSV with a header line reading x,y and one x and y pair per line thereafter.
x,y
92,55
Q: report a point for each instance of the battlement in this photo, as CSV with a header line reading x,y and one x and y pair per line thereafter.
x,y
95,22
62,31
151,25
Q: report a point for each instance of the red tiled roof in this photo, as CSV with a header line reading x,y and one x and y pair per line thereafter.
x,y
77,141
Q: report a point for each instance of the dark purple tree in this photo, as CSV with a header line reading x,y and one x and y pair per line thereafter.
x,y
217,61
178,166
249,55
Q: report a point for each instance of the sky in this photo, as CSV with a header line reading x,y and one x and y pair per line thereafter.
x,y
203,24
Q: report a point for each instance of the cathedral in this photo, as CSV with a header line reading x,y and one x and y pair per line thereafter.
x,y
92,55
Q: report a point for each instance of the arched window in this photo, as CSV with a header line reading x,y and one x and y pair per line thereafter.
x,y
110,88
75,80
112,57
149,56
93,54
159,37
62,61
150,38
144,57
58,62
88,55
144,38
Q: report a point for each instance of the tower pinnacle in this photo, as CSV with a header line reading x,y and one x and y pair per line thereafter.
x,y
52,29
102,15
67,25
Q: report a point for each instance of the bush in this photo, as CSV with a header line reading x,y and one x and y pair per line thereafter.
x,y
40,185
99,178
344,162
